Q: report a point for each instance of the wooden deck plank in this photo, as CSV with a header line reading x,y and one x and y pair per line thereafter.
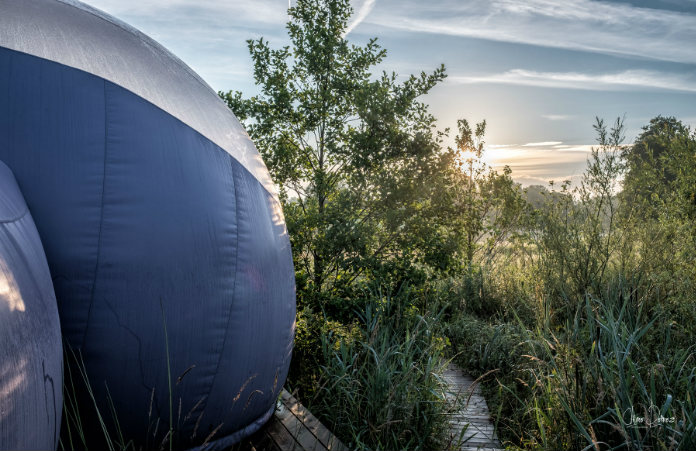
x,y
310,421
260,441
330,441
471,422
299,431
291,428
281,436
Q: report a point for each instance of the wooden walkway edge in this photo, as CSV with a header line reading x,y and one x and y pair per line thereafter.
x,y
294,428
471,427
291,428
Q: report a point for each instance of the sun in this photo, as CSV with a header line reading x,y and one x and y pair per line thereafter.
x,y
468,155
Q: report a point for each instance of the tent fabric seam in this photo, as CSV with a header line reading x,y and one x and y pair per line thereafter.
x,y
101,216
235,437
234,287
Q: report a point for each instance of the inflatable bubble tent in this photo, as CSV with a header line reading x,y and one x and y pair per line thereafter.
x,y
156,213
31,355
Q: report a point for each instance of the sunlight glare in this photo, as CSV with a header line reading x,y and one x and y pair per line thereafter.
x,y
467,155
9,291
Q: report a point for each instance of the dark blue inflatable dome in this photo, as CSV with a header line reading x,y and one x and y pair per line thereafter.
x,y
154,209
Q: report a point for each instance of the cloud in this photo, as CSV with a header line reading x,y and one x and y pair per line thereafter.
x,y
361,10
585,148
500,146
610,28
556,117
543,143
225,15
535,163
209,36
628,79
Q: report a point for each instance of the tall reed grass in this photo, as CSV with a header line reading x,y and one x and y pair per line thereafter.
x,y
381,385
608,378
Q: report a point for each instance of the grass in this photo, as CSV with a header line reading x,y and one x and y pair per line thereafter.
x,y
81,407
381,385
76,431
584,383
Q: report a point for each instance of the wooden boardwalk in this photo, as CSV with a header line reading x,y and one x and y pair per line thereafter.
x,y
291,428
294,428
471,425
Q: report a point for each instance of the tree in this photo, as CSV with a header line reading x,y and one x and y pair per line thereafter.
x,y
354,155
576,231
650,163
488,204
659,200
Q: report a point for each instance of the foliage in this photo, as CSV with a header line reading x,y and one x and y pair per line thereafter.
x,y
363,180
576,232
602,300
487,204
654,164
380,387
354,155
659,200
604,381
559,299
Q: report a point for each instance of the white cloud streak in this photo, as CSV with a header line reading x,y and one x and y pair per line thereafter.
x,y
500,146
543,144
629,79
556,117
611,28
535,163
362,9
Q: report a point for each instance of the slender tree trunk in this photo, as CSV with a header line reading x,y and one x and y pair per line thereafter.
x,y
321,200
469,232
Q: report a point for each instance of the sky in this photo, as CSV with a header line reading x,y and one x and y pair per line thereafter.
x,y
538,71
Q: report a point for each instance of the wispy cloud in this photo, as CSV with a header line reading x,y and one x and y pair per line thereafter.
x,y
557,117
209,36
361,10
535,163
543,144
226,14
586,148
612,28
628,79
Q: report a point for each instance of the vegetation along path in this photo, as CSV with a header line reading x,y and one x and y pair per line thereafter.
x,y
471,424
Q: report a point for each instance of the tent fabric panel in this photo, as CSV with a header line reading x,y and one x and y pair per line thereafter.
x,y
80,36
52,137
167,254
260,335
